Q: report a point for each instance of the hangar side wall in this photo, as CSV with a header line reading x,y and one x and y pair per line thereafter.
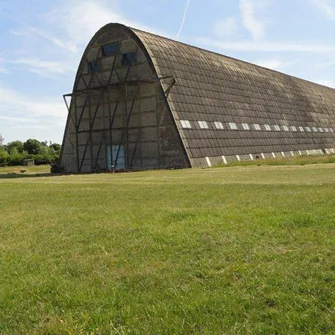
x,y
230,109
118,116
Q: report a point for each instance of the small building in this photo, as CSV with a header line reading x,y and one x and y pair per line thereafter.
x,y
142,101
28,162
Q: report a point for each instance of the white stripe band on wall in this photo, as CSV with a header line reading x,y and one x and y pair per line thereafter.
x,y
273,155
224,160
262,155
208,162
238,158
283,154
300,153
292,153
252,158
245,126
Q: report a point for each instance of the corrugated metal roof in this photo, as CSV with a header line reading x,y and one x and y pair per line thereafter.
x,y
214,88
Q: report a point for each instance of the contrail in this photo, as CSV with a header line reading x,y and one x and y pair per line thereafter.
x,y
40,32
184,18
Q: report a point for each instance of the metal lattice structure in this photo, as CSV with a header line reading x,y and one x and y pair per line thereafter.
x,y
142,101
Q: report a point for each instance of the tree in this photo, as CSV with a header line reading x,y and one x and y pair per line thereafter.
x,y
56,147
32,146
2,140
4,157
14,146
15,152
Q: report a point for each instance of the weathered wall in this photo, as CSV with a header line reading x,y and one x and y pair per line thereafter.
x,y
119,104
294,116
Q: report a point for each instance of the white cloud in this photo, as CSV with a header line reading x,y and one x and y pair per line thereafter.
x,y
325,65
17,119
265,46
325,82
28,30
23,117
82,19
226,28
273,64
58,42
326,6
13,103
249,10
44,68
2,67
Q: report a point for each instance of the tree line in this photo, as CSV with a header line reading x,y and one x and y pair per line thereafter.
x,y
13,153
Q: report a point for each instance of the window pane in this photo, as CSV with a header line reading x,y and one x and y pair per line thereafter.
x,y
185,124
129,58
218,125
93,66
232,125
203,124
110,49
245,126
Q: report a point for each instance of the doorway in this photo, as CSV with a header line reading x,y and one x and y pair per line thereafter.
x,y
116,157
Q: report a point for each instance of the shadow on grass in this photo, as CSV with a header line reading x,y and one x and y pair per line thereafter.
x,y
28,175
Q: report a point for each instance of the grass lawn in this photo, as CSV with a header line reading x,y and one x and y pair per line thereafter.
x,y
25,169
236,250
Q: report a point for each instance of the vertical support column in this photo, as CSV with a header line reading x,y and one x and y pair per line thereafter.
x,y
104,123
139,138
101,98
90,131
110,125
126,153
140,127
77,135
126,126
158,128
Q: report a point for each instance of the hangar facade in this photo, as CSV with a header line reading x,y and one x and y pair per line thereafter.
x,y
142,101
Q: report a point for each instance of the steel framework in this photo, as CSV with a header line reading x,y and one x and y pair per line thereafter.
x,y
103,90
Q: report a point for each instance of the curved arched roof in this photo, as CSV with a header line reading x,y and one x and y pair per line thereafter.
x,y
213,87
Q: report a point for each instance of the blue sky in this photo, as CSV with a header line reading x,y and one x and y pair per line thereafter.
x,y
42,42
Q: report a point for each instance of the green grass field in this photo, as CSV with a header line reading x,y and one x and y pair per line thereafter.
x,y
236,250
